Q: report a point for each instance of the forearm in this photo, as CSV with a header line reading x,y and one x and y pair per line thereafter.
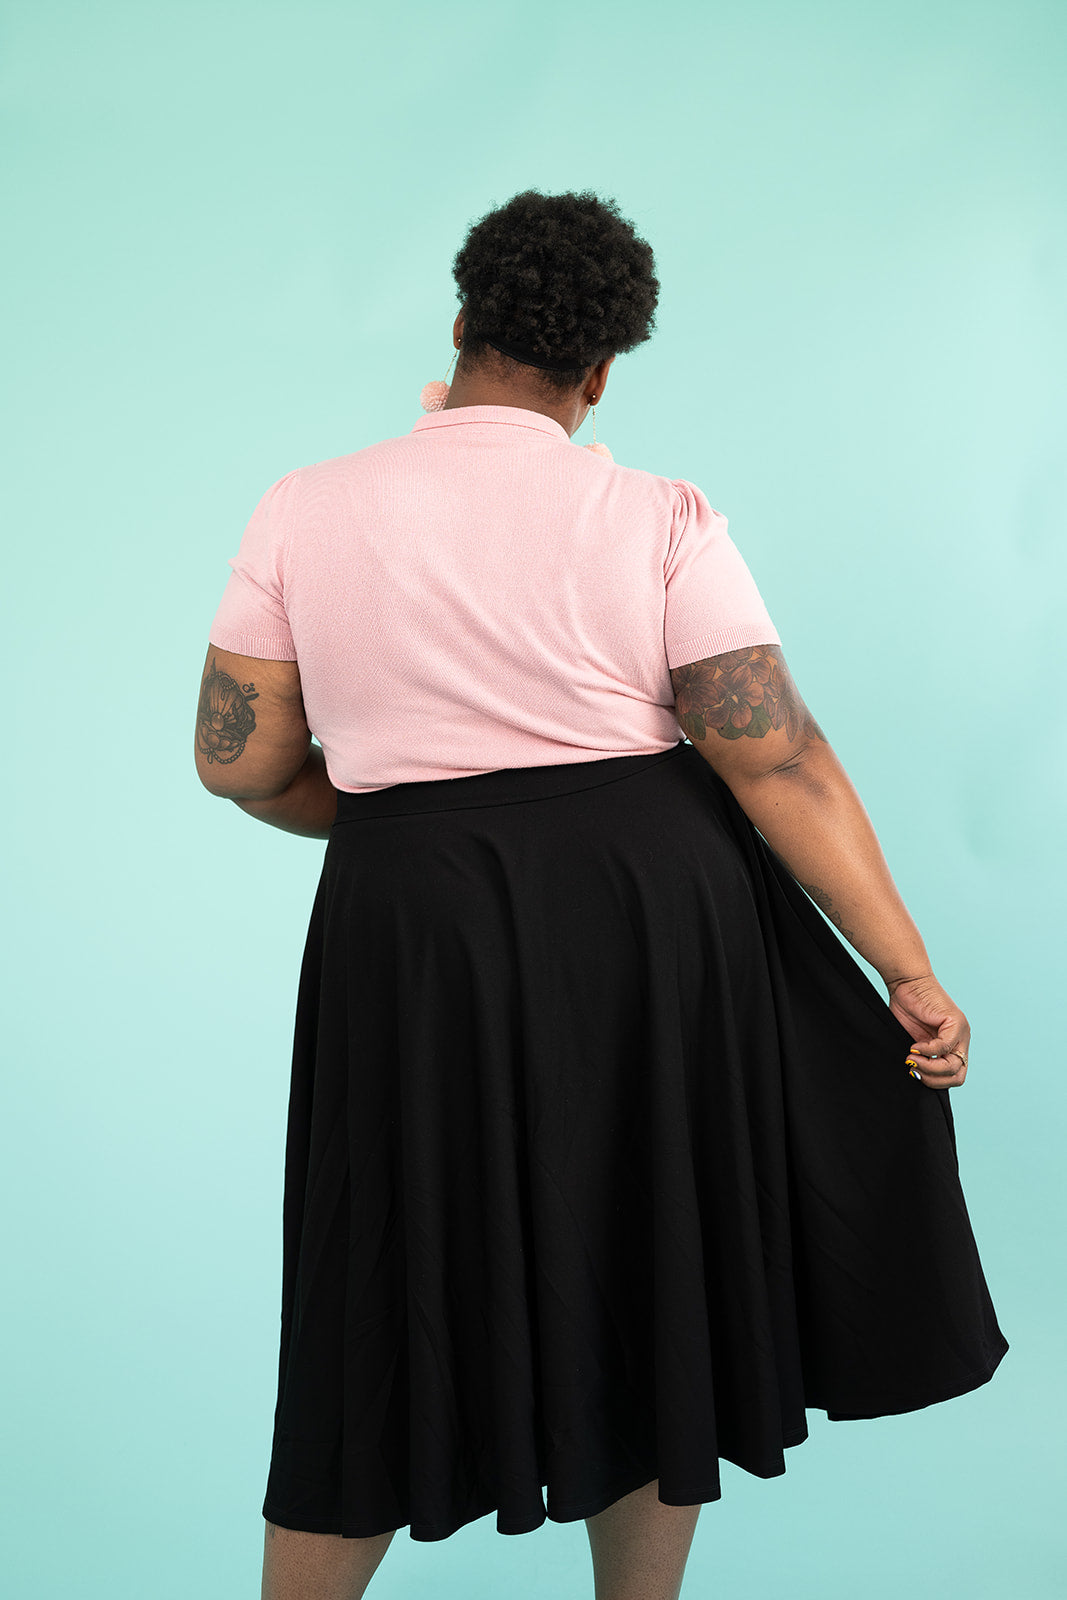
x,y
307,807
813,818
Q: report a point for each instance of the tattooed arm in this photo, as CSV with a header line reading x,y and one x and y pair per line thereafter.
x,y
251,734
743,712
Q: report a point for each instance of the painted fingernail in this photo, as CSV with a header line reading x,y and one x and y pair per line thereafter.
x,y
914,1074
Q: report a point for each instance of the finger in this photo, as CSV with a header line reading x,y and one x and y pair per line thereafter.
x,y
939,1059
947,1080
937,1072
945,1040
921,1067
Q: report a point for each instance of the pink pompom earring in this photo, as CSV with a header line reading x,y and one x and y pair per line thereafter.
x,y
598,449
435,393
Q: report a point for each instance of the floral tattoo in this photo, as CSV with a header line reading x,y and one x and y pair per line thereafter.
x,y
224,717
744,694
741,694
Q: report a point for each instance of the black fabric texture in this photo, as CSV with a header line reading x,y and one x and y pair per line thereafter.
x,y
602,1163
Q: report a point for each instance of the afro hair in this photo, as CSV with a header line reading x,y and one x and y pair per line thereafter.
x,y
563,276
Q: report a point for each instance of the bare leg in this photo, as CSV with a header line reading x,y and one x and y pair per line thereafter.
x,y
640,1546
318,1566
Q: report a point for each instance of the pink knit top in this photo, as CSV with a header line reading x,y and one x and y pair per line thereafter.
x,y
482,593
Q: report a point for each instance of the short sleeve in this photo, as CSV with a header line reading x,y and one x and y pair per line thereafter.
x,y
251,619
711,601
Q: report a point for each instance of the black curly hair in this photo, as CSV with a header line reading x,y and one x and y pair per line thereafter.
x,y
561,275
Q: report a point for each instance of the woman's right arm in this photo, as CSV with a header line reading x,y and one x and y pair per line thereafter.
x,y
743,712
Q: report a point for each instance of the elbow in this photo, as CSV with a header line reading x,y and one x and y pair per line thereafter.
x,y
216,784
227,780
207,782
805,768
241,795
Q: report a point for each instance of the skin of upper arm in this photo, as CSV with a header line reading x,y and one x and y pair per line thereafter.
x,y
252,737
744,713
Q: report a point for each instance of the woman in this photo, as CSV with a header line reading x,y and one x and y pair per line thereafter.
x,y
604,1158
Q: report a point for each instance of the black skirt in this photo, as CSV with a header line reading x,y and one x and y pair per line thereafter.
x,y
602,1164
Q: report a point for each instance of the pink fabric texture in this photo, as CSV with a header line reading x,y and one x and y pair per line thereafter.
x,y
482,593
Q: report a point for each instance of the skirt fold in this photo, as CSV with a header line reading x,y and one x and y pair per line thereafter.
x,y
602,1162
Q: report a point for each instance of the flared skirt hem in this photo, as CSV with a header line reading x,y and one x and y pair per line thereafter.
x,y
575,1511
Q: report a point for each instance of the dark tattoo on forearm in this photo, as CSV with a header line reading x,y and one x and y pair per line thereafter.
x,y
825,905
224,717
741,694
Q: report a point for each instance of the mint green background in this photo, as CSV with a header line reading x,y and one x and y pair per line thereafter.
x,y
232,230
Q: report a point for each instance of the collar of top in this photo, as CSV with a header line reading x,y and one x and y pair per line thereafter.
x,y
511,416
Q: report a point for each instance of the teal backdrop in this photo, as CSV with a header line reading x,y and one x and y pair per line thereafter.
x,y
230,230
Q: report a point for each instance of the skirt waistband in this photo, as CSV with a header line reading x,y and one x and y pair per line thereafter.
x,y
505,786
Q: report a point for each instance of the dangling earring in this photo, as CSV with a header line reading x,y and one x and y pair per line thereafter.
x,y
598,449
435,394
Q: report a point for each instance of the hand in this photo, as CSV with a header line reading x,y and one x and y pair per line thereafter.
x,y
938,1027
